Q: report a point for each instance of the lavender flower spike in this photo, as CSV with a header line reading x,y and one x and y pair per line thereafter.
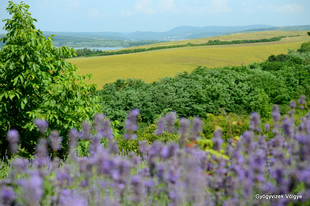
x,y
302,100
275,113
217,140
183,130
13,138
160,126
255,121
6,195
55,140
130,124
292,104
41,124
170,119
196,128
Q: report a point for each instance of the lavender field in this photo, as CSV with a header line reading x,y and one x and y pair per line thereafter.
x,y
257,171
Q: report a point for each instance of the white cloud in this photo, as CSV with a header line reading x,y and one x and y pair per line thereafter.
x,y
94,13
286,8
144,6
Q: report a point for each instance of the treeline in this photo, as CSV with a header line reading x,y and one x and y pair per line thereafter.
x,y
210,42
237,89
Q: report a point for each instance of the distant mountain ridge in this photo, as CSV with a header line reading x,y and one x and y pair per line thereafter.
x,y
178,33
122,39
283,28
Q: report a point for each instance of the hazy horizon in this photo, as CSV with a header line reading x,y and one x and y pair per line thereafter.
x,y
160,15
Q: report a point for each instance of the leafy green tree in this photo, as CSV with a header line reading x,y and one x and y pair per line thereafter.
x,y
36,82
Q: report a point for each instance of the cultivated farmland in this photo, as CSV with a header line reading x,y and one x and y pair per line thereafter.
x,y
150,66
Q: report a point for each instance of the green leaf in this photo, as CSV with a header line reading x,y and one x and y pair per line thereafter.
x,y
11,96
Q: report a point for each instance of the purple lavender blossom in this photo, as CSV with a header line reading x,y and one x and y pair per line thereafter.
x,y
41,153
255,122
131,122
160,126
7,195
217,140
20,164
33,189
184,123
292,104
302,100
41,124
164,152
73,136
13,138
170,119
267,127
155,148
287,125
131,125
55,140
106,129
86,128
275,113
143,147
196,128
137,188
69,198
149,185
98,119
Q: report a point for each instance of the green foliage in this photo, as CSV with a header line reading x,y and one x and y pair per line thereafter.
x,y
232,125
305,47
145,133
238,89
278,58
35,82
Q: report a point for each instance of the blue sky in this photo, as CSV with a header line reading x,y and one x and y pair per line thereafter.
x,y
160,15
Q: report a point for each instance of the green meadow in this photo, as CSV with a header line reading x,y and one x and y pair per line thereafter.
x,y
152,65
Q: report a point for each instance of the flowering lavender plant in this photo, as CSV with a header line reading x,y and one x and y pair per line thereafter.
x,y
257,171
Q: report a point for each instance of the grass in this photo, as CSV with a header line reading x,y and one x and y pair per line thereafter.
x,y
150,66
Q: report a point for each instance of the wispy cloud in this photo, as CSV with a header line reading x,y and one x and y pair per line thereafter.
x,y
286,8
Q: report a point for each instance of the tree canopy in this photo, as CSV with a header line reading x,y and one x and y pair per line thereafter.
x,y
36,82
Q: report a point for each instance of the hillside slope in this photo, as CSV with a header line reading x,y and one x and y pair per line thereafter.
x,y
150,66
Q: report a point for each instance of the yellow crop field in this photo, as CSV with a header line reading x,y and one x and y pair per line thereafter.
x,y
152,65
240,36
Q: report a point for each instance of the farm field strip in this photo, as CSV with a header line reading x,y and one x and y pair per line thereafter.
x,y
240,36
152,65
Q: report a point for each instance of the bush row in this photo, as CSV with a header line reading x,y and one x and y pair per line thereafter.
x,y
237,89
